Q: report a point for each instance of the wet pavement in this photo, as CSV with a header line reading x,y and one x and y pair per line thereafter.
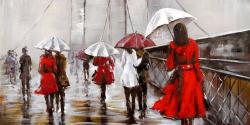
x,y
79,108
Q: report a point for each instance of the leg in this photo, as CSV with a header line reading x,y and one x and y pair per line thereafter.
x,y
139,97
187,121
133,94
144,95
46,97
84,72
62,100
127,94
28,86
14,76
23,87
57,100
87,70
51,101
103,92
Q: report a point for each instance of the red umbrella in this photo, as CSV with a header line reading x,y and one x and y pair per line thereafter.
x,y
81,55
134,40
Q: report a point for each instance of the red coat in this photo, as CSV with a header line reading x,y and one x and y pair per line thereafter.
x,y
47,68
183,94
104,73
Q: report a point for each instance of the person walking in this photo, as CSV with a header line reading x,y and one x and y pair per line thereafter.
x,y
104,74
11,65
48,84
25,69
183,93
62,80
86,67
129,79
142,70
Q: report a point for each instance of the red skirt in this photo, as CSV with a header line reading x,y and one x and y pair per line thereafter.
x,y
48,84
103,75
187,102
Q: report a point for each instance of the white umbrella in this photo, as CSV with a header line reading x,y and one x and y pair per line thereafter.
x,y
53,43
167,17
101,49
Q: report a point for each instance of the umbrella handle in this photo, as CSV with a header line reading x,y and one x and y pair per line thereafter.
x,y
170,32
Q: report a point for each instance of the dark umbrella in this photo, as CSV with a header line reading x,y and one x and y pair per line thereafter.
x,y
81,55
134,40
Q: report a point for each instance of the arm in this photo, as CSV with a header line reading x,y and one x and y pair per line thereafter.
x,y
30,64
40,68
95,61
170,60
54,65
112,62
123,60
197,65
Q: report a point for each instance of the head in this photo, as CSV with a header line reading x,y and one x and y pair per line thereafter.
x,y
129,50
48,52
58,53
180,34
9,52
24,50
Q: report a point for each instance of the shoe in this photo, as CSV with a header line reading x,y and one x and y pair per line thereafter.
x,y
142,115
50,112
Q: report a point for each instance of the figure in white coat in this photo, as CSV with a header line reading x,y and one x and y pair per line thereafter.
x,y
129,78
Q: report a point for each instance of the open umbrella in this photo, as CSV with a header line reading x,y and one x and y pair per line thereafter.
x,y
101,49
167,17
134,40
81,55
53,43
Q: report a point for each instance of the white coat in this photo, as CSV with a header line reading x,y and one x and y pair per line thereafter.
x,y
129,75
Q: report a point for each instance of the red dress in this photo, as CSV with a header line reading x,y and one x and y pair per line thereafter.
x,y
104,73
47,67
183,94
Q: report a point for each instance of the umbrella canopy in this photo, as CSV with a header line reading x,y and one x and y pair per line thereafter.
x,y
101,49
53,43
167,17
81,55
134,40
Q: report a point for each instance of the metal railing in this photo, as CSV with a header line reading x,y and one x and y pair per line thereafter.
x,y
227,92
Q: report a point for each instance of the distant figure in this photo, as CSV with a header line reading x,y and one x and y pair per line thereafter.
x,y
142,70
62,80
183,98
86,81
25,69
48,86
71,62
77,67
86,68
129,79
11,65
104,74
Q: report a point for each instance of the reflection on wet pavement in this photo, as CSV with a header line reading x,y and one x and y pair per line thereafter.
x,y
79,108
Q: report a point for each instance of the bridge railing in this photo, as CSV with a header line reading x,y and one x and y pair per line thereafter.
x,y
227,93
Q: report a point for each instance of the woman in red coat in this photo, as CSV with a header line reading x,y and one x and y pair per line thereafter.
x,y
48,85
104,74
183,94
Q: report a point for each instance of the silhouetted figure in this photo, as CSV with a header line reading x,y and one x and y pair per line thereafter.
x,y
11,65
62,80
86,68
25,69
142,70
